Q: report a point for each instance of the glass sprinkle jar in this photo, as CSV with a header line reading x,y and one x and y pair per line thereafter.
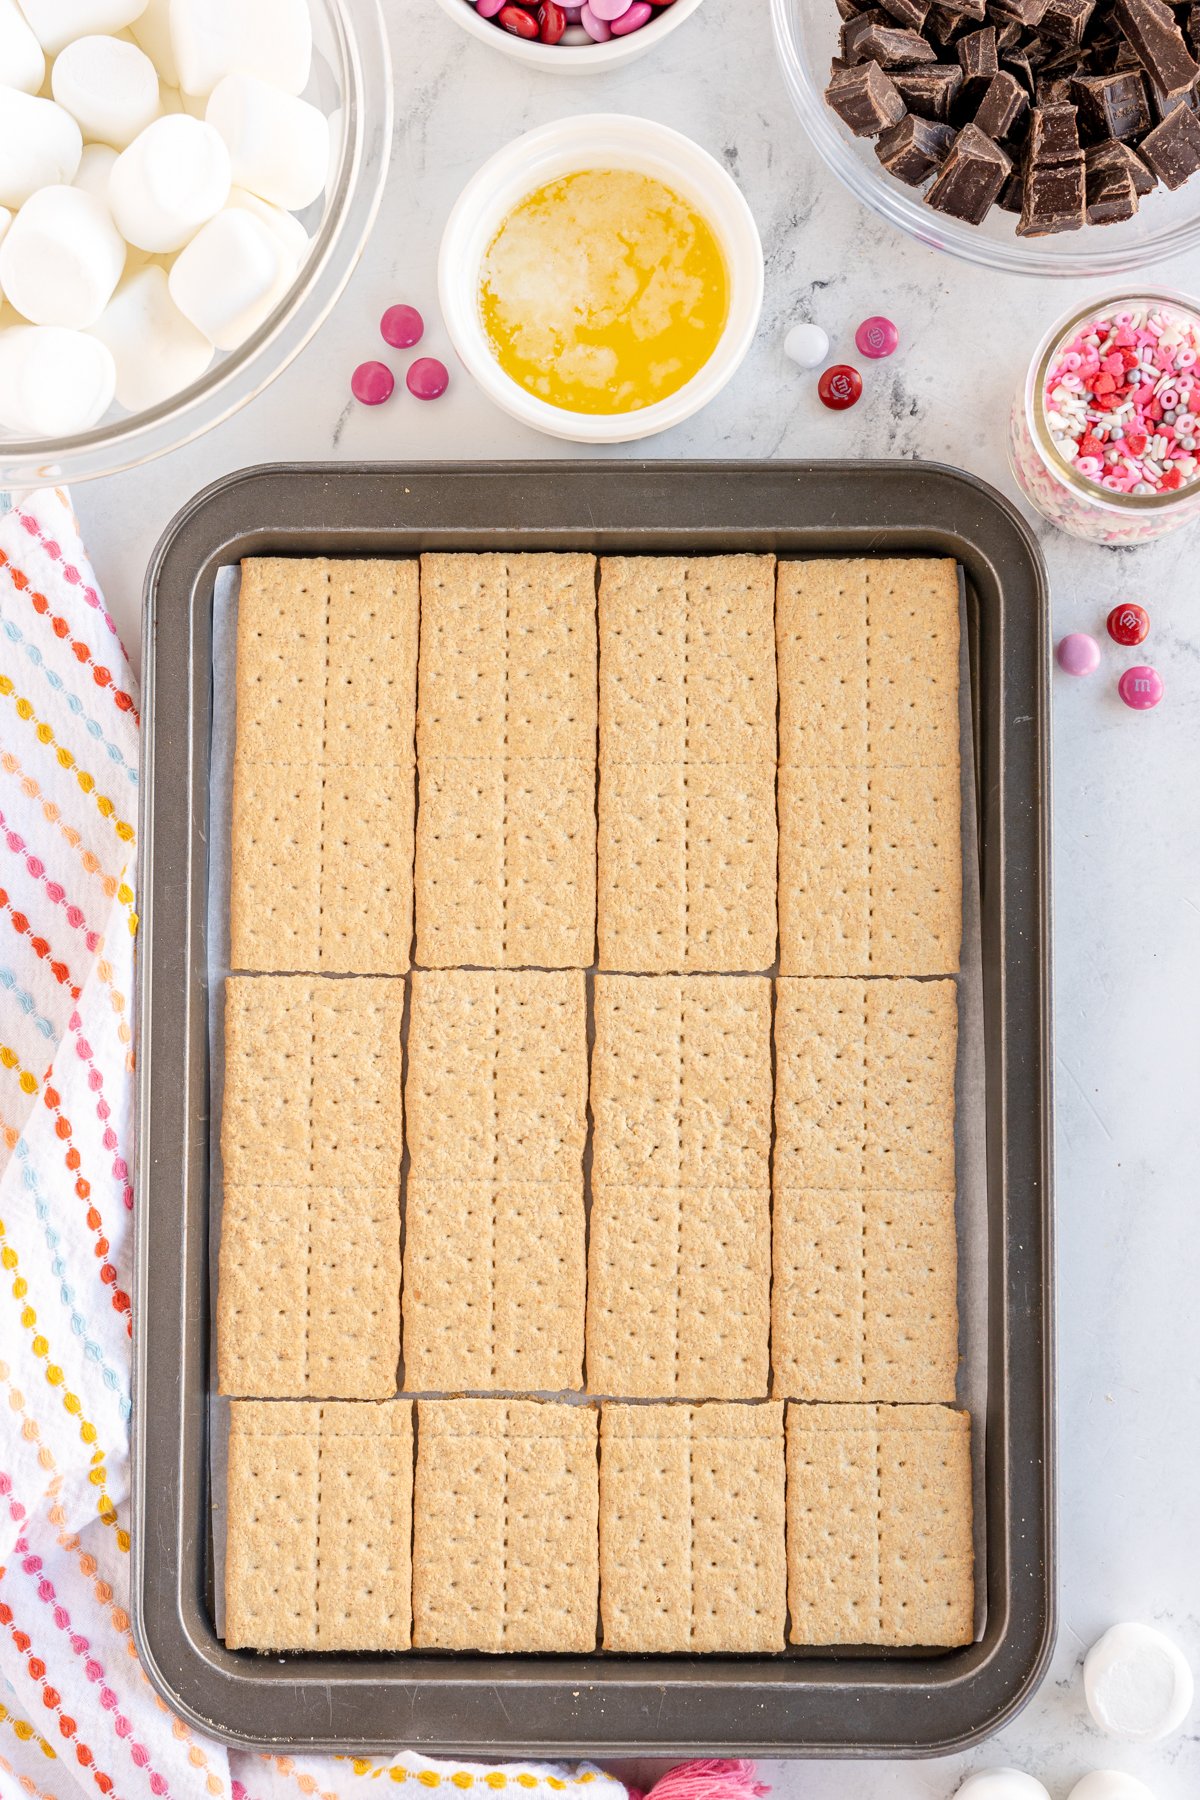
x,y
1075,501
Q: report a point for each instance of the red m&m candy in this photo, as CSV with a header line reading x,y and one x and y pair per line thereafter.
x,y
1128,624
839,387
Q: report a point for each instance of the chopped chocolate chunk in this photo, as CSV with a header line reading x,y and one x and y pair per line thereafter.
x,y
971,176
1151,29
1052,90
965,9
977,54
909,12
944,28
1161,104
1172,149
853,29
864,40
1121,156
1018,62
1053,135
864,99
1008,36
914,148
1002,105
1065,21
1025,12
1011,192
929,91
1111,197
1055,198
1112,106
848,10
1191,29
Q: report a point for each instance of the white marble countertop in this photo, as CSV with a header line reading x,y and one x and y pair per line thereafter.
x,y
1127,887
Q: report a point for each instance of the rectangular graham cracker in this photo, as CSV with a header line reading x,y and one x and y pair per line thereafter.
x,y
687,835
864,1249
497,1120
678,1275
506,741
869,796
692,1528
308,1299
879,1540
504,1526
324,766
319,1502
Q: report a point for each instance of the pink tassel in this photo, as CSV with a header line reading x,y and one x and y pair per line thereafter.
x,y
708,1778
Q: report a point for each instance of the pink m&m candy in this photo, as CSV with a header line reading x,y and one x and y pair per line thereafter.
x,y
633,18
401,326
427,378
597,28
372,383
1141,687
876,336
608,10
1078,654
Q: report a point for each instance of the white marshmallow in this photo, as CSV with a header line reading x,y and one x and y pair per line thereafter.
x,y
1110,1784
172,179
22,63
56,23
40,145
95,170
156,350
62,258
278,145
1001,1784
52,381
285,225
214,38
110,88
6,220
152,31
1137,1683
234,271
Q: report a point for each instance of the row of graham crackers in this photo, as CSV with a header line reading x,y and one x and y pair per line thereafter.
x,y
694,1529
671,764
692,1200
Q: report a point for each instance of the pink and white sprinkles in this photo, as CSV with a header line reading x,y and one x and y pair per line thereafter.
x,y
1122,400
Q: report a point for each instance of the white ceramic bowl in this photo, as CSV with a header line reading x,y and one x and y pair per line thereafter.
x,y
571,59
597,141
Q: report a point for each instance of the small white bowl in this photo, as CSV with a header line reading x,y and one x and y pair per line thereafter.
x,y
570,59
597,141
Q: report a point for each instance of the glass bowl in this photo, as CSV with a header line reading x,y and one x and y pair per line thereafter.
x,y
1167,224
352,82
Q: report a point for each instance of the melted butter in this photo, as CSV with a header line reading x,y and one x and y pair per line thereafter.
x,y
603,292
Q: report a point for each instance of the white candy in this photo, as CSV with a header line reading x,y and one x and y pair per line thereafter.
x,y
1110,1784
6,220
156,350
285,225
278,145
1137,1683
152,32
95,170
807,345
53,382
214,38
234,271
62,258
22,64
1000,1784
169,182
56,23
109,87
40,145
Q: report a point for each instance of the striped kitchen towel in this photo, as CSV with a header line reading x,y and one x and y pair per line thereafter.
x,y
77,1715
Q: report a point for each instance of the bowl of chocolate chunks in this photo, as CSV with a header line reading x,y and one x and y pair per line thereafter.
x,y
1045,137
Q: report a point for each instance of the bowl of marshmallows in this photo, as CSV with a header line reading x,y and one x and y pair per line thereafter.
x,y
185,187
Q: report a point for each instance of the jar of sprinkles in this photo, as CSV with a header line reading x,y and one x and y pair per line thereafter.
x,y
1104,437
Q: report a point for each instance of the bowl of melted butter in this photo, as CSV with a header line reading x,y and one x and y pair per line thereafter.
x,y
601,278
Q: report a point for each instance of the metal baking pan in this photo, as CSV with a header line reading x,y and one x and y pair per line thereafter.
x,y
795,1703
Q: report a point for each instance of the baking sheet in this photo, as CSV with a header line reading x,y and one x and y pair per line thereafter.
x,y
971,1206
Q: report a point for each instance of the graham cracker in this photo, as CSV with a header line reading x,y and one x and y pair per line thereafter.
x,y
504,1526
864,1297
687,841
692,1527
324,766
319,1523
870,831
506,732
677,1298
864,1085
308,1296
681,1081
494,1289
879,1535
312,1081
